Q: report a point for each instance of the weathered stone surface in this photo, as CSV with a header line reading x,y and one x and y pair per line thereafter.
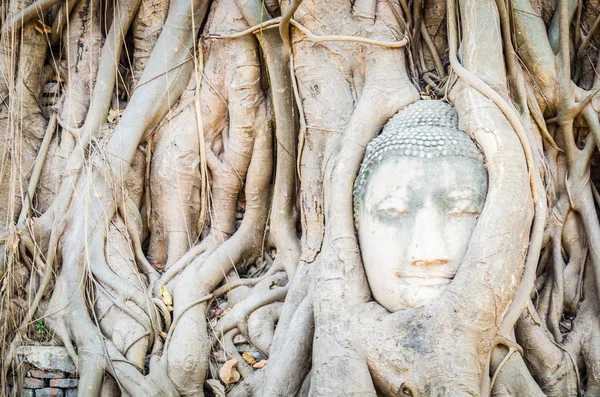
x,y
33,383
28,393
71,393
64,383
54,358
49,392
38,373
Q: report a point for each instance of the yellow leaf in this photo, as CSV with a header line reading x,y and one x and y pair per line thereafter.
x,y
41,27
260,364
163,334
248,358
15,246
165,296
229,373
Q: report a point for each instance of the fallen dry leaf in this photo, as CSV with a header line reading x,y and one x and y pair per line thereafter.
x,y
113,115
41,27
248,358
15,245
229,373
165,296
260,364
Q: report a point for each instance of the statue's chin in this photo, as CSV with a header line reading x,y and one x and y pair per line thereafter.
x,y
413,293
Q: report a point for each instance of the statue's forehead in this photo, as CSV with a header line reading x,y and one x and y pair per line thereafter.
x,y
402,174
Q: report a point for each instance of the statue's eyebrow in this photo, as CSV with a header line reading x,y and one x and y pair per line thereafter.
x,y
463,192
392,191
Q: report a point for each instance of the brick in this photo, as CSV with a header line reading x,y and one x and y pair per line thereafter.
x,y
28,393
63,383
71,393
33,383
49,392
38,373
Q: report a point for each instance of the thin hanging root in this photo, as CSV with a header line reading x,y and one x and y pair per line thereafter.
x,y
432,50
511,350
536,113
273,23
301,118
37,169
284,24
558,288
127,206
60,21
587,38
205,182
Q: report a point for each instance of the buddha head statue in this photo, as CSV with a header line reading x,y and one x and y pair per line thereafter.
x,y
420,189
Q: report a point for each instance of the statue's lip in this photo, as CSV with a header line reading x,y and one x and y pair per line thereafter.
x,y
426,281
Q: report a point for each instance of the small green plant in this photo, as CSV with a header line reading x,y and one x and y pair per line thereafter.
x,y
40,328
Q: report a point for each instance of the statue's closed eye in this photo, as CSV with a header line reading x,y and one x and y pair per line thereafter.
x,y
464,207
393,207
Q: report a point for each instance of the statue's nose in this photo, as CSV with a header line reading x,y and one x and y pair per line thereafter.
x,y
427,245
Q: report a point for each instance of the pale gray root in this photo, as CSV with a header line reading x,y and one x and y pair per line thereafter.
x,y
283,234
261,325
549,364
175,190
147,107
22,126
515,380
237,317
188,351
319,74
146,29
370,341
340,280
131,338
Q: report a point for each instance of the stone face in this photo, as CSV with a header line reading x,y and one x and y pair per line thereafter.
x,y
38,373
28,393
415,208
71,393
64,383
53,358
49,392
33,383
